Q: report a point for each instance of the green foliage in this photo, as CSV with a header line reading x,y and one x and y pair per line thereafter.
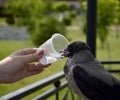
x,y
84,6
44,28
106,11
36,15
10,20
60,7
64,8
106,16
67,20
73,14
69,16
22,11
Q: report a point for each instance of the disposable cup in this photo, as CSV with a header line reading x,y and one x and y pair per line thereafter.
x,y
52,48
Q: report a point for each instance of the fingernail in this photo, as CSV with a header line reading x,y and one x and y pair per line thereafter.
x,y
49,64
40,51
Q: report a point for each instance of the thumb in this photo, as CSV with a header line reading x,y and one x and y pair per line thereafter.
x,y
32,57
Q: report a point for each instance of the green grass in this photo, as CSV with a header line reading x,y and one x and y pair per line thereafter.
x,y
7,47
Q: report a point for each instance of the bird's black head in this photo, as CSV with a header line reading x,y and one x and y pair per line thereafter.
x,y
75,47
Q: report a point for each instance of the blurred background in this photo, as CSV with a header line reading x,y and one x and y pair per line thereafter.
x,y
29,23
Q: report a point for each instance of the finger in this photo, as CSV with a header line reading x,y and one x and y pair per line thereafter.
x,y
28,51
32,57
25,51
43,66
36,68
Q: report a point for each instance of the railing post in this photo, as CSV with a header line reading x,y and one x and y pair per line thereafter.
x,y
57,84
91,25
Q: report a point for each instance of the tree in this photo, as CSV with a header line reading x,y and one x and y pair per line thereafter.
x,y
36,15
61,6
106,11
44,28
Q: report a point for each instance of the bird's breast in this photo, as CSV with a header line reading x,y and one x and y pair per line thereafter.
x,y
72,84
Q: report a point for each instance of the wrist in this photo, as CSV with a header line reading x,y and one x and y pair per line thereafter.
x,y
2,72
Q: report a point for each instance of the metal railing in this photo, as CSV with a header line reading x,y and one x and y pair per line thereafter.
x,y
54,79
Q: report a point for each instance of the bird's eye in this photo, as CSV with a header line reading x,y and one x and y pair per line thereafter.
x,y
70,49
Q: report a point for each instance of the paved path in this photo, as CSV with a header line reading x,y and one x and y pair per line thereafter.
x,y
13,33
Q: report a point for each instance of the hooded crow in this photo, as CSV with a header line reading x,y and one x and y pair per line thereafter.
x,y
87,77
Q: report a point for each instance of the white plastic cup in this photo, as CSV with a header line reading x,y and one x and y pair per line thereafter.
x,y
52,48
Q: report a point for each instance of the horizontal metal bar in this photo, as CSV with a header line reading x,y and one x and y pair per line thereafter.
x,y
50,92
110,62
114,71
33,87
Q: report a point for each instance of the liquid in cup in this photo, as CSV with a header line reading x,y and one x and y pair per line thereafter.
x,y
52,48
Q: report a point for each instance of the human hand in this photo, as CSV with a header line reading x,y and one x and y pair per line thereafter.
x,y
20,65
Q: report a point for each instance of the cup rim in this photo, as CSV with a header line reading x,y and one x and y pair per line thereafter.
x,y
54,35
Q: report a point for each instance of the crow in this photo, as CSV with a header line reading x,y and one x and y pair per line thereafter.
x,y
86,76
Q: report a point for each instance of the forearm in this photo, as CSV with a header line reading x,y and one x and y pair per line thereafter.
x,y
3,70
2,78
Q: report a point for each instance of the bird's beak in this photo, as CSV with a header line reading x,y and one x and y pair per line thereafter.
x,y
65,53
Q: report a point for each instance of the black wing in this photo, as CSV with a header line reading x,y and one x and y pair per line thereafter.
x,y
93,87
